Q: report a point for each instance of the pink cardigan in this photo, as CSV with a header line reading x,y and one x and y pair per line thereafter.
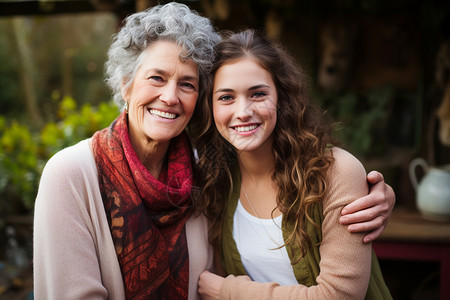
x,y
74,256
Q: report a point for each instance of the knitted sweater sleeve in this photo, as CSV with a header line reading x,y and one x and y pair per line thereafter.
x,y
67,231
345,260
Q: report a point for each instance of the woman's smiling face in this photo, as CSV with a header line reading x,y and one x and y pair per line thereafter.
x,y
162,97
244,104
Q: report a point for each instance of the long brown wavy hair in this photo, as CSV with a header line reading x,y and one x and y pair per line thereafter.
x,y
300,140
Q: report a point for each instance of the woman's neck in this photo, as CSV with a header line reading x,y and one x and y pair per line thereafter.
x,y
258,164
152,154
258,190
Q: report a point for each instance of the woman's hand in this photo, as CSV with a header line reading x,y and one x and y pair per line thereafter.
x,y
370,213
209,285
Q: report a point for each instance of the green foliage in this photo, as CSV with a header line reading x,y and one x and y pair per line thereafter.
x,y
23,152
361,120
18,161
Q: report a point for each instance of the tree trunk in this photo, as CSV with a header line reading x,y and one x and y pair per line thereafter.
x,y
26,71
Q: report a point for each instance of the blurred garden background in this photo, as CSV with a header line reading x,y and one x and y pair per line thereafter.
x,y
52,95
373,65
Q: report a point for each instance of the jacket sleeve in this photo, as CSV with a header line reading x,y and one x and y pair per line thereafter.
x,y
345,260
66,264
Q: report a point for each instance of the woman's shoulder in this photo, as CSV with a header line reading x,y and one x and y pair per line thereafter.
x,y
346,180
346,163
70,161
67,176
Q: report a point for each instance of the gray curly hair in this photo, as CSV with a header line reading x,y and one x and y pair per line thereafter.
x,y
173,22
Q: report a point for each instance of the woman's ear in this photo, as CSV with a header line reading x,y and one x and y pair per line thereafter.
x,y
125,89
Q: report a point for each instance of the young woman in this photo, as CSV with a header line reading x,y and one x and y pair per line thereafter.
x,y
276,186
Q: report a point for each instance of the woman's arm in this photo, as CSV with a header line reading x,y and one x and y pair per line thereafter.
x,y
370,213
345,261
66,264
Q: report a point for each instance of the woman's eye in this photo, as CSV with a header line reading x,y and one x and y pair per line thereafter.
x,y
188,85
156,78
258,94
225,98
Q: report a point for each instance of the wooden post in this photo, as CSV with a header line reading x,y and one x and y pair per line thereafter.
x,y
142,5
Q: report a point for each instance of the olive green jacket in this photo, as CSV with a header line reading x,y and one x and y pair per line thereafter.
x,y
307,269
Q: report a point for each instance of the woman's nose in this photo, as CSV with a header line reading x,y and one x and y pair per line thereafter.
x,y
169,94
245,109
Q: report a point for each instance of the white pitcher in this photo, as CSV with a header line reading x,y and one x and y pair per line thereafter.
x,y
433,192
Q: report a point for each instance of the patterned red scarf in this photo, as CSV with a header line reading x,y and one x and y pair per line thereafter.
x,y
146,215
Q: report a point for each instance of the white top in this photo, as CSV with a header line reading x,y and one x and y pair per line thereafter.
x,y
257,240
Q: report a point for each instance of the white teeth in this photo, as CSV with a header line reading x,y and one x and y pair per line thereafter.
x,y
245,128
162,114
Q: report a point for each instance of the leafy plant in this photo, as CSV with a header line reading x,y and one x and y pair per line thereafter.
x,y
24,152
18,164
360,119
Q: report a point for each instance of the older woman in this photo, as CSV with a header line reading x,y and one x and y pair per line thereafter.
x,y
113,215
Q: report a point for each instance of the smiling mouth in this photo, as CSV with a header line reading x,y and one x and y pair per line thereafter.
x,y
245,128
162,114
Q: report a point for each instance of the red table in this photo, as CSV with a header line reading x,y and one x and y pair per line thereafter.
x,y
409,236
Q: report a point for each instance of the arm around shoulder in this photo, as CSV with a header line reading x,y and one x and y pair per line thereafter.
x,y
345,261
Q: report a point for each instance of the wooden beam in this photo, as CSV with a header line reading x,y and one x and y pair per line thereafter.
x,y
12,8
